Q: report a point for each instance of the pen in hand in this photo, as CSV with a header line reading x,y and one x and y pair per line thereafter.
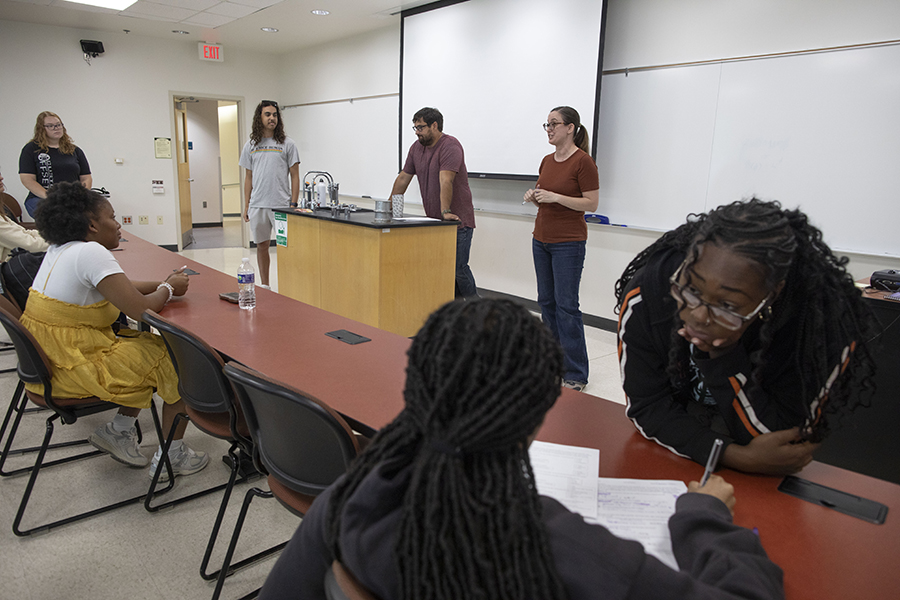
x,y
712,462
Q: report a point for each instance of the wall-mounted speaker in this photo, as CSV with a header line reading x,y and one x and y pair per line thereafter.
x,y
92,47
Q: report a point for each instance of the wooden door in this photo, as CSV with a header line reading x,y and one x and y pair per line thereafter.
x,y
184,174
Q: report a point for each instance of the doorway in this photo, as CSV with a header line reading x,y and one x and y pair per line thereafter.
x,y
208,148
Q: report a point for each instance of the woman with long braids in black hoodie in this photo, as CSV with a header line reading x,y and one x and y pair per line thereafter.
x,y
442,505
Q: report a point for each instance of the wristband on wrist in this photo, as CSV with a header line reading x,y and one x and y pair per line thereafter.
x,y
445,211
168,286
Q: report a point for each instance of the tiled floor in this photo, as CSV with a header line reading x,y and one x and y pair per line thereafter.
x,y
130,553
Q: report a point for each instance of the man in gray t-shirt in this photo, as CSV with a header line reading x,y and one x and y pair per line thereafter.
x,y
268,158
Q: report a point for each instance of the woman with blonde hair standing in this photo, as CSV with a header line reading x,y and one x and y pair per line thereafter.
x,y
50,157
567,187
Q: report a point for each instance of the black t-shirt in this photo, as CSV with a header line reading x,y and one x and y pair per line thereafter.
x,y
53,166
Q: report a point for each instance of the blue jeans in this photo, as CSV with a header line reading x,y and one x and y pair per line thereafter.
x,y
31,203
558,269
465,281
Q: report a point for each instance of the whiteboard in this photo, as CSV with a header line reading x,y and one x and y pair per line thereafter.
x,y
355,142
817,131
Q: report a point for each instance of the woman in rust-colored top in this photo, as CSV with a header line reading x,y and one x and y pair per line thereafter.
x,y
568,186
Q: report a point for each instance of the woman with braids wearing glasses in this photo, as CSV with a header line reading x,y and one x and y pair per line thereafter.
x,y
742,325
442,505
567,187
50,157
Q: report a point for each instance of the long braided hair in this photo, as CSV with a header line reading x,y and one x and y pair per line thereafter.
x,y
482,374
819,299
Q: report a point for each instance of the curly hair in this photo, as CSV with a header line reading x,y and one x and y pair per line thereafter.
x,y
571,116
66,145
819,299
481,376
65,214
259,128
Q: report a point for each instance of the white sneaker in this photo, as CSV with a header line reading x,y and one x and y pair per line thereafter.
x,y
186,462
120,445
575,385
263,286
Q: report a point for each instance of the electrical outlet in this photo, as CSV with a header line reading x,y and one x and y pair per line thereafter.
x,y
159,220
143,220
126,220
204,204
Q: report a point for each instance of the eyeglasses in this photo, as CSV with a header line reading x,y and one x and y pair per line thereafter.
x,y
549,126
722,316
53,125
420,128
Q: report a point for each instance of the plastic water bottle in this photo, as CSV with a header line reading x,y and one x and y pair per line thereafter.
x,y
246,285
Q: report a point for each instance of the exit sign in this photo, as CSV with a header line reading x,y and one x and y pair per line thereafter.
x,y
214,52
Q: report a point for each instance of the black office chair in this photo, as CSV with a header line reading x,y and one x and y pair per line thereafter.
x,y
341,584
18,407
4,347
301,443
211,406
35,368
13,210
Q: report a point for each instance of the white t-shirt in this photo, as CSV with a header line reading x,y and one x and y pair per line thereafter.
x,y
70,273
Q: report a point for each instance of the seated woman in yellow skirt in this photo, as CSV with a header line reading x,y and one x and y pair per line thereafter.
x,y
76,296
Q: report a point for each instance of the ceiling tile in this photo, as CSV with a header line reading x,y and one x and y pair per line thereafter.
x,y
230,9
258,3
194,5
208,20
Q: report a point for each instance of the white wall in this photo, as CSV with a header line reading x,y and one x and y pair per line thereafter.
x,y
363,65
203,134
115,107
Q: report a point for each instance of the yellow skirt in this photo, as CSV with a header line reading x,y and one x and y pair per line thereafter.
x,y
90,360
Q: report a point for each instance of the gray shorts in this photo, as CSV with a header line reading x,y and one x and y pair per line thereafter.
x,y
262,222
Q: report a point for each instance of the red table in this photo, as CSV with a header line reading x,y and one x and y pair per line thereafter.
x,y
824,554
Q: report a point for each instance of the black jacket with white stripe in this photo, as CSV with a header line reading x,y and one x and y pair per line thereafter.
x,y
658,408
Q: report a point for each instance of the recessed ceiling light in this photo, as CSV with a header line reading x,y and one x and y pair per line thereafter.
x,y
269,29
181,32
320,13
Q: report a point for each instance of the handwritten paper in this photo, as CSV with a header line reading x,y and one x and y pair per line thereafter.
x,y
634,509
639,509
567,474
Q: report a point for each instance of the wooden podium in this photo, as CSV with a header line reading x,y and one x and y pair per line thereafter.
x,y
389,275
